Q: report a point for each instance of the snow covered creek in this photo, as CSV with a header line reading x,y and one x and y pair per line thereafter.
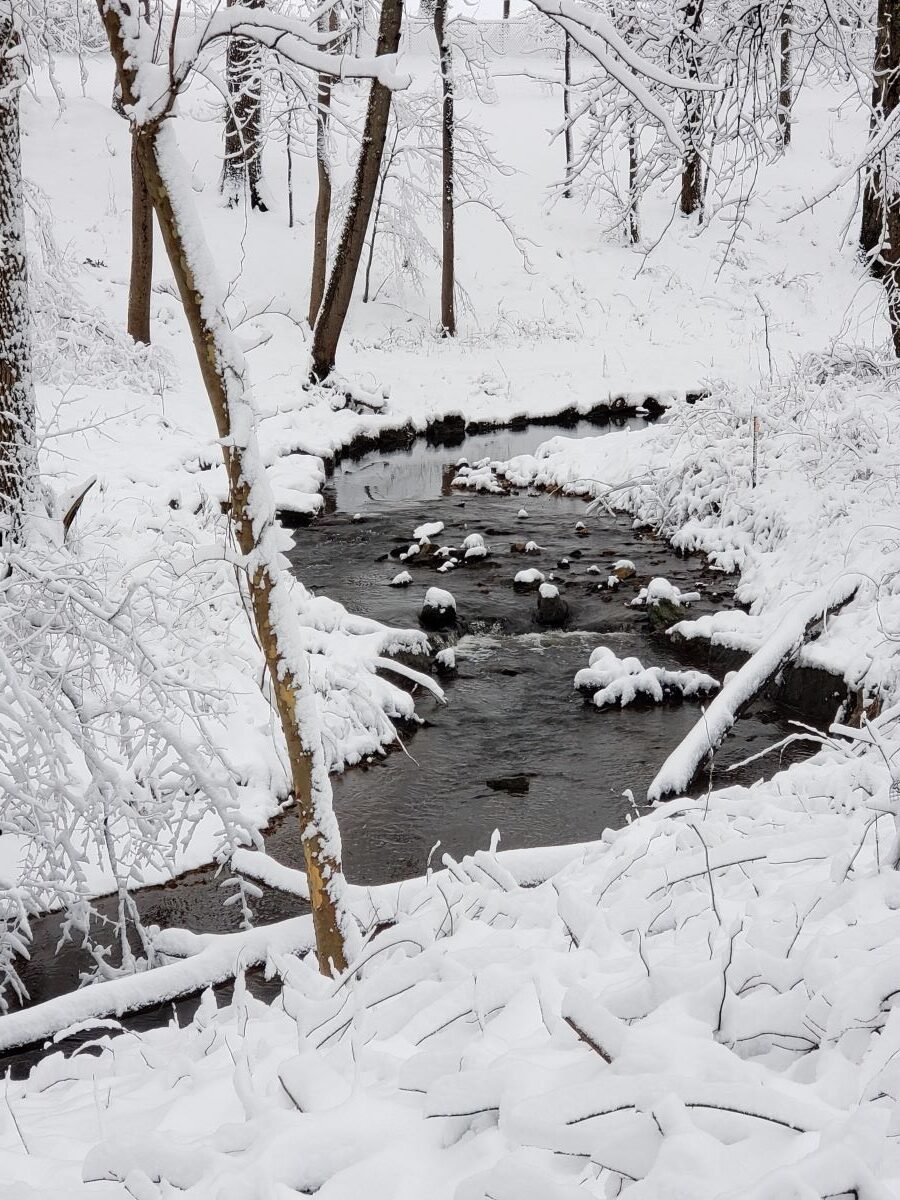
x,y
514,747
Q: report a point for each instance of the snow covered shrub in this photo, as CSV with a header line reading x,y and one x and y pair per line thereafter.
x,y
72,341
108,763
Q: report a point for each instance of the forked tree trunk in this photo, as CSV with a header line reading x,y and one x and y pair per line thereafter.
x,y
141,282
448,223
691,200
323,167
18,459
336,300
251,510
885,97
785,97
242,165
567,114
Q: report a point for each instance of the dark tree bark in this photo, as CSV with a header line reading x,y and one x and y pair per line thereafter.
x,y
885,253
634,224
242,166
691,200
505,10
18,458
448,223
141,282
323,168
785,90
567,114
885,96
336,300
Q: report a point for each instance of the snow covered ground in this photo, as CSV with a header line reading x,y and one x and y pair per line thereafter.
x,y
698,1005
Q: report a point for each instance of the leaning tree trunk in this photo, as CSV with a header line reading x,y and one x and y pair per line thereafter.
x,y
337,297
323,167
691,199
785,98
18,458
252,511
448,223
885,97
242,166
141,281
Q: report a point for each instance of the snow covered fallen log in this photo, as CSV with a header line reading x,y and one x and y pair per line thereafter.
x,y
220,957
779,648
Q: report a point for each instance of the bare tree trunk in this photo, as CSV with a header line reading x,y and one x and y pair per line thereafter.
x,y
634,224
448,223
242,166
885,97
252,516
323,167
691,200
567,114
505,10
18,458
785,97
141,281
886,252
336,300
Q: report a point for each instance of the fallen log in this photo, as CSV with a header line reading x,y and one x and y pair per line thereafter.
x,y
779,648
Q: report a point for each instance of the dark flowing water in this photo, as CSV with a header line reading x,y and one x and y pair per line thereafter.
x,y
514,747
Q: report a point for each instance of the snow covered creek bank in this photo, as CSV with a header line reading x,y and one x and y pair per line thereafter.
x,y
514,747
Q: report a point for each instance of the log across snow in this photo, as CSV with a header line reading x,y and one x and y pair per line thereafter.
x,y
612,680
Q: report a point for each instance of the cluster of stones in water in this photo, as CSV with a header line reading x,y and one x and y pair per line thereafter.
x,y
665,604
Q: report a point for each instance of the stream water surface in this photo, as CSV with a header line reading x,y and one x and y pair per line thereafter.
x,y
514,747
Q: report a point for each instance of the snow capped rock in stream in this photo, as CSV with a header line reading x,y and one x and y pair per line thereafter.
x,y
614,680
438,609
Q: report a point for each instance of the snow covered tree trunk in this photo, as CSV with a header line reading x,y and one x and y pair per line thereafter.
x,y
141,280
691,200
634,223
337,297
785,97
18,458
448,224
323,168
251,506
567,114
885,96
242,166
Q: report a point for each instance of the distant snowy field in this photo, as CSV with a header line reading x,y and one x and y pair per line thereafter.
x,y
699,1005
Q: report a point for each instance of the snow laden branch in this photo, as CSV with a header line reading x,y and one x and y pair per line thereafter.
x,y
293,39
598,36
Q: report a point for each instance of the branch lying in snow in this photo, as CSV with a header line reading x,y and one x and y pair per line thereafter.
x,y
680,767
217,959
211,958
